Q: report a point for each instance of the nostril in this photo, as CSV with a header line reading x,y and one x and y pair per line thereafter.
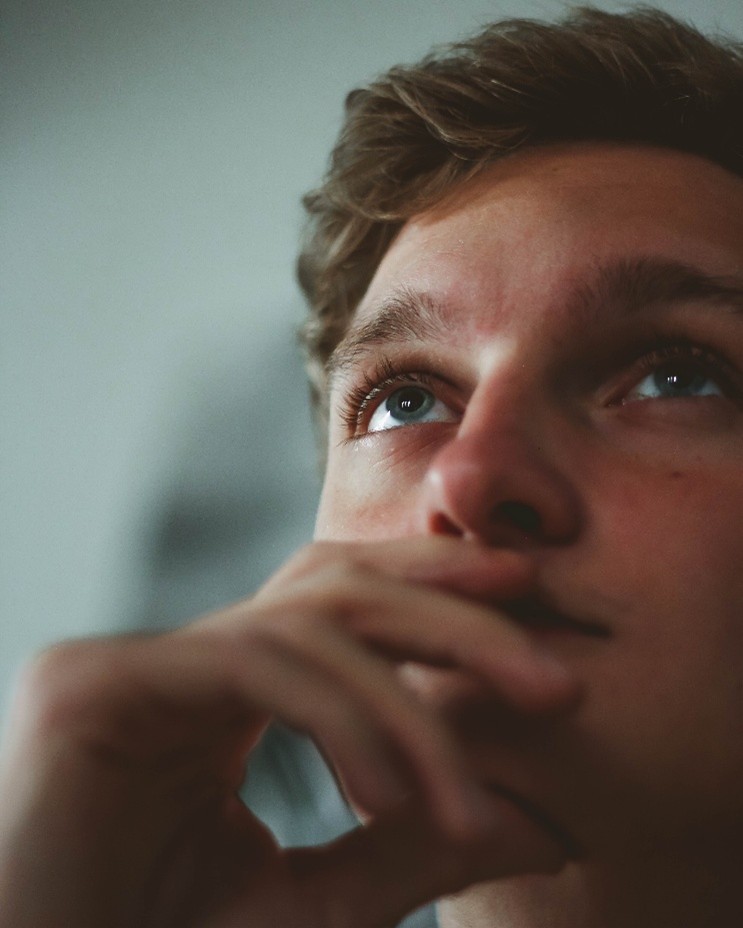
x,y
441,525
521,515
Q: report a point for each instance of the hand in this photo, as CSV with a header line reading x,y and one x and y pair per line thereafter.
x,y
124,755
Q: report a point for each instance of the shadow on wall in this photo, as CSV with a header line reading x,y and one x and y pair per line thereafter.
x,y
237,497
239,488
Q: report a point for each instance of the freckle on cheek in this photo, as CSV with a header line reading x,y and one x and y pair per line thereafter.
x,y
676,475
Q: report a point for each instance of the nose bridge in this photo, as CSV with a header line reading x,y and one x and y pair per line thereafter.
x,y
499,479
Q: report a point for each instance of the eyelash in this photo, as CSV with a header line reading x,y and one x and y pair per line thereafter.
x,y
648,358
374,385
654,355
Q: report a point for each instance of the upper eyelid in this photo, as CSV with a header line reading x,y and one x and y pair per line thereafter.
x,y
598,362
394,358
382,370
397,381
683,349
627,375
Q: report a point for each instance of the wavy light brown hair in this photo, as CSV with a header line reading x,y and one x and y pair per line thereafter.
x,y
409,136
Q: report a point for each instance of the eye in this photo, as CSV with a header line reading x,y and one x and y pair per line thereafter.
x,y
675,380
680,371
391,395
410,404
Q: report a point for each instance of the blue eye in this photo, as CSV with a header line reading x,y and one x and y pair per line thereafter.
x,y
411,404
679,379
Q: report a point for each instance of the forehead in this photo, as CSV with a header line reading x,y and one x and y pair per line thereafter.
x,y
541,220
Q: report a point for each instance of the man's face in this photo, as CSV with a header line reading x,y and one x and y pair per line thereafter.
x,y
566,378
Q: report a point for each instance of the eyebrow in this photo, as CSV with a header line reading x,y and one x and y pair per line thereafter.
x,y
631,285
627,285
406,315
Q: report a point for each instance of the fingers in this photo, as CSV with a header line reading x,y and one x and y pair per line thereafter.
x,y
317,657
420,623
358,878
384,744
446,630
463,567
319,648
319,660
319,651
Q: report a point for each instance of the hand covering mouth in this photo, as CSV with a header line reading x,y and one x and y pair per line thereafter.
x,y
536,613
570,845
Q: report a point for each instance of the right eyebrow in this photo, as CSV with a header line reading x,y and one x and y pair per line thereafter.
x,y
630,285
405,316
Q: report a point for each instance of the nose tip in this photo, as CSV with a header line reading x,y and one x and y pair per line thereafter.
x,y
508,494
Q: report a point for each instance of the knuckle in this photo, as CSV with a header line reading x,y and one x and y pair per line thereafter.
x,y
286,623
321,558
303,565
329,720
311,558
341,594
46,688
59,686
336,592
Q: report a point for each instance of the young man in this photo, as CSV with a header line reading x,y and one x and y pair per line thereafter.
x,y
518,635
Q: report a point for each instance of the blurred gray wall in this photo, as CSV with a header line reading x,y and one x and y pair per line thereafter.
x,y
156,457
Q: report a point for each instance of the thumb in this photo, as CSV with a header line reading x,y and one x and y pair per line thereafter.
x,y
375,875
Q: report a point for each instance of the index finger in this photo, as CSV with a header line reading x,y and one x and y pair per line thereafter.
x,y
454,564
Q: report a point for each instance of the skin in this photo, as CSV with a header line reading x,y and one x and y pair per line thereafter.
x,y
640,503
585,774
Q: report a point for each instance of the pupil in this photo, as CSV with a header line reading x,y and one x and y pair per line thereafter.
x,y
678,379
408,401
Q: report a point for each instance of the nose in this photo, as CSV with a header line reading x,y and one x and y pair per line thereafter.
x,y
495,482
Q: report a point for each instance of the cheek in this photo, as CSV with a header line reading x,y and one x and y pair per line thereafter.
x,y
372,492
675,550
668,705
682,528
